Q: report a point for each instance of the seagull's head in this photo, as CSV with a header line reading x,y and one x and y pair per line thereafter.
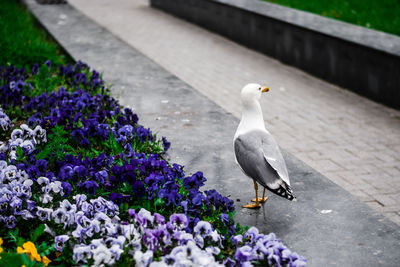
x,y
253,91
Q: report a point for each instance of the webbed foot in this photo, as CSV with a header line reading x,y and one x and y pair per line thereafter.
x,y
260,199
252,206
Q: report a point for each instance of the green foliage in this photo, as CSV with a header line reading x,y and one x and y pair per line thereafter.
x,y
14,259
45,82
382,15
111,145
147,147
13,237
17,115
61,143
58,144
20,152
37,232
21,42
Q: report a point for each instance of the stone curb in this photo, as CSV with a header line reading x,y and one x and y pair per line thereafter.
x,y
360,59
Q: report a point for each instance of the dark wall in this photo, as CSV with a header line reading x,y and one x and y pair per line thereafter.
x,y
362,69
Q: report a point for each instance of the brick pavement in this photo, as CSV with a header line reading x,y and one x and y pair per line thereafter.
x,y
351,140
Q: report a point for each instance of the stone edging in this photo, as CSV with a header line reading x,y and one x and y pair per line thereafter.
x,y
360,59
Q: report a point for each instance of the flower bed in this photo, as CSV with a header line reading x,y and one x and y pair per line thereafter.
x,y
82,183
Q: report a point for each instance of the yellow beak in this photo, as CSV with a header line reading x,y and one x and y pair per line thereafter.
x,y
265,89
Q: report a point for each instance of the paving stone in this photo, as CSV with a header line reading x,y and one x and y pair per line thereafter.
x,y
392,170
363,196
386,200
365,187
389,209
353,189
395,217
328,166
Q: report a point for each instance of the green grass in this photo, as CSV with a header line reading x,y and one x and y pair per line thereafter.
x,y
22,42
382,15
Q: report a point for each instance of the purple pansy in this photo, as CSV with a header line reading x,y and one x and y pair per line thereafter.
x,y
244,254
59,242
89,187
177,222
10,221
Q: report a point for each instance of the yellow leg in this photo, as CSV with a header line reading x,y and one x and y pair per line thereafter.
x,y
257,204
263,199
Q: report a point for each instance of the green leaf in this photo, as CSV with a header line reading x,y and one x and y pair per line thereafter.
x,y
20,241
37,233
20,152
160,203
42,154
49,250
13,236
11,259
231,214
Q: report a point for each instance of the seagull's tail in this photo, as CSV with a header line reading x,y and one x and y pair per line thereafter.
x,y
284,190
290,193
289,190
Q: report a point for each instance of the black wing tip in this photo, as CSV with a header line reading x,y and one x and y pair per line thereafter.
x,y
284,192
290,193
290,197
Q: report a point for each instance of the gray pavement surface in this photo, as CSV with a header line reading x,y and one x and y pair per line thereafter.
x,y
350,139
352,234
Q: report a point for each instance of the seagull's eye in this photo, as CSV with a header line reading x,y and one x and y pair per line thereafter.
x,y
259,88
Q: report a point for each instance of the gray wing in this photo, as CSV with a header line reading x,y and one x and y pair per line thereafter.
x,y
273,155
259,156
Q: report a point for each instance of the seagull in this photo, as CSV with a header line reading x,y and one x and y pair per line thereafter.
x,y
256,151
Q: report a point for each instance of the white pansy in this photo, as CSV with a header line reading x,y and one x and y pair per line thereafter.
x,y
43,180
56,186
143,259
101,255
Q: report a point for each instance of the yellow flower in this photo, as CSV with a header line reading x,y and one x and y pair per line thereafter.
x,y
46,260
30,247
20,250
30,250
1,243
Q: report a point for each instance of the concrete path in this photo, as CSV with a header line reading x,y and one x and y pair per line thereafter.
x,y
327,225
351,140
